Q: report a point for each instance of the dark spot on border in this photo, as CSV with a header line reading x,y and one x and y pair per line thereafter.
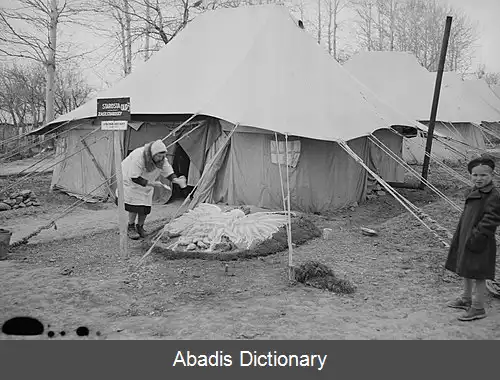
x,y
82,331
23,326
51,334
62,333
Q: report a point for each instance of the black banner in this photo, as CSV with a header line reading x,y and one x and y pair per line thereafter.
x,y
113,109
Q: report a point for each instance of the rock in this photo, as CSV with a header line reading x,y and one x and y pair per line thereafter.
x,y
191,247
371,197
327,233
19,199
10,202
4,206
380,193
368,232
222,247
22,205
36,204
25,193
15,207
201,244
28,204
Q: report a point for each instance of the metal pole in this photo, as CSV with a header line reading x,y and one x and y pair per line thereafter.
x,y
437,89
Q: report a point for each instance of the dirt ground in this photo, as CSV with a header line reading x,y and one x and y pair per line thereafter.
x,y
401,292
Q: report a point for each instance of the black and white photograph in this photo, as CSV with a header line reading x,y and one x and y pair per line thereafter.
x,y
247,172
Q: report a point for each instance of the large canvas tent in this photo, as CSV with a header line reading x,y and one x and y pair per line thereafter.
x,y
255,68
399,79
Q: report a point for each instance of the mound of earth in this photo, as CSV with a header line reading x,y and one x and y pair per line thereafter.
x,y
303,230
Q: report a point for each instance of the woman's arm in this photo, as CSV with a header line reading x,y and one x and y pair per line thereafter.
x,y
140,181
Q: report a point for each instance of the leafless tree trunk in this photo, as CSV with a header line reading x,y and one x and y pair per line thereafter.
x,y
333,10
51,61
128,39
319,22
148,21
30,32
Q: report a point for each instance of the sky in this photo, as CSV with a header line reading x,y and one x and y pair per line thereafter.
x,y
101,72
486,13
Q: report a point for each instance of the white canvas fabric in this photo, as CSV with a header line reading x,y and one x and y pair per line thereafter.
x,y
400,80
496,90
253,66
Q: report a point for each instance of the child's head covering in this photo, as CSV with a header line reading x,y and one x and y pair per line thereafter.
x,y
484,160
158,147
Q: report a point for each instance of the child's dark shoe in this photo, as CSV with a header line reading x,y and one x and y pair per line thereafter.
x,y
472,314
460,303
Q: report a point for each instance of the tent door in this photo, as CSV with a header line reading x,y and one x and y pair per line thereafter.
x,y
180,165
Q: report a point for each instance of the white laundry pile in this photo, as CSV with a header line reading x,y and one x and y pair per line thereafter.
x,y
206,226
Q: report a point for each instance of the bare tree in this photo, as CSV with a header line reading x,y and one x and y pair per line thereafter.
x,y
71,90
363,9
30,30
22,92
333,11
489,77
416,26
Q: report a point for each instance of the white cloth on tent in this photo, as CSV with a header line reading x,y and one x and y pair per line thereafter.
x,y
132,167
293,153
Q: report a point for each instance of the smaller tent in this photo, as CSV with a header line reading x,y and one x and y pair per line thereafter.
x,y
400,80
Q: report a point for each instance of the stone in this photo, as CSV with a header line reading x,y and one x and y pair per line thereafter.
x,y
4,206
19,199
25,193
380,193
36,204
327,233
10,202
22,205
15,207
371,197
368,232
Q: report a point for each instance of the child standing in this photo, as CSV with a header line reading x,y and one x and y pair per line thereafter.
x,y
472,251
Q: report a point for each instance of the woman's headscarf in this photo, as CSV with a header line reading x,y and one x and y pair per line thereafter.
x,y
150,149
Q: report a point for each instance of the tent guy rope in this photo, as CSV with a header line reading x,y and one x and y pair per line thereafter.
x,y
14,138
438,160
406,203
27,147
34,174
175,130
400,161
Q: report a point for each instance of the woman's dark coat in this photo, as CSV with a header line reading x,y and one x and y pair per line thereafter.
x,y
473,248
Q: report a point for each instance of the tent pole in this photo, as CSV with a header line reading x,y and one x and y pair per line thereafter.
x,y
437,89
289,227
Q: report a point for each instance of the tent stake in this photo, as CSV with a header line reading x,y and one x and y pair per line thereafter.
x,y
435,101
